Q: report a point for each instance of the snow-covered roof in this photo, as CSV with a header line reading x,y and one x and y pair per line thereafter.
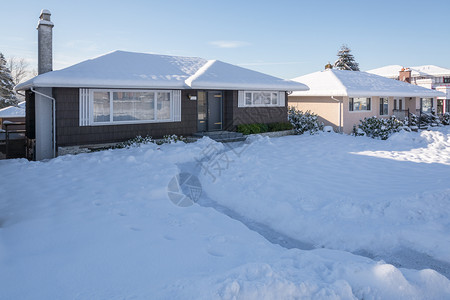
x,y
13,111
392,71
358,84
140,70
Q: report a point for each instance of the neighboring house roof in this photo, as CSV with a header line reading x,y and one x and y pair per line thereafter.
x,y
13,111
392,71
358,84
141,70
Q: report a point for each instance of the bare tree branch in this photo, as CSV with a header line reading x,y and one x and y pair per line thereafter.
x,y
19,69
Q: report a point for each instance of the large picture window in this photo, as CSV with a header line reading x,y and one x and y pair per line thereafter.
x,y
359,104
133,106
384,106
104,107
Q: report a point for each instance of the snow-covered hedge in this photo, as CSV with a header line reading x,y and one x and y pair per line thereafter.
x,y
430,119
304,121
446,119
379,128
139,140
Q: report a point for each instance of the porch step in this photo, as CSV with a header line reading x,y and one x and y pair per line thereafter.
x,y
222,136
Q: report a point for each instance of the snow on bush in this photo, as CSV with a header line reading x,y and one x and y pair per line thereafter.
x,y
379,128
430,119
446,119
139,140
304,121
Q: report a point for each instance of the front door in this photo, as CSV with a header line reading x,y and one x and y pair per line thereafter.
x,y
209,110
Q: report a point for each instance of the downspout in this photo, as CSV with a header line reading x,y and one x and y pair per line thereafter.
x,y
53,117
340,113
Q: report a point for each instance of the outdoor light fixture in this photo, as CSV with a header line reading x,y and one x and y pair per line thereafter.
x,y
192,97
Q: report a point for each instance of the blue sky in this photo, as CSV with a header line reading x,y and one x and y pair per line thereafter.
x,y
282,38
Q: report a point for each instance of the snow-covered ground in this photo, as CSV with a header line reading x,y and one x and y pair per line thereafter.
x,y
101,225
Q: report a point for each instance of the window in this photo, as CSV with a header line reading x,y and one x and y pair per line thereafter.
x,y
260,98
384,108
440,106
426,105
359,104
447,105
446,79
398,104
133,106
104,107
101,107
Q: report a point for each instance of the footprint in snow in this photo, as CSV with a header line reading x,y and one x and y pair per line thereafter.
x,y
215,252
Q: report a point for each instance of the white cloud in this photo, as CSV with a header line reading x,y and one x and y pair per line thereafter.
x,y
229,44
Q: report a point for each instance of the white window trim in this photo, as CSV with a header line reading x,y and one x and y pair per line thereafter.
x,y
281,101
87,107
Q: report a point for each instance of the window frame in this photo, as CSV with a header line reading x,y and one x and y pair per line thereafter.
x,y
271,104
431,106
111,107
351,102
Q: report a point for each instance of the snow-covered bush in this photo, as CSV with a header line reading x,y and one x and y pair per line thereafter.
x,y
430,119
379,128
446,119
169,139
304,121
413,120
139,140
134,142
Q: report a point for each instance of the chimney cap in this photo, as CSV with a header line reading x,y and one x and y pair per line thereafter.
x,y
44,18
46,12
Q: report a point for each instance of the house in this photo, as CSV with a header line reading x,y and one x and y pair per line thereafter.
x,y
120,95
12,118
428,76
12,114
343,98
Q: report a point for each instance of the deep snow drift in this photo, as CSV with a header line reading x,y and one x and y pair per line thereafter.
x,y
101,225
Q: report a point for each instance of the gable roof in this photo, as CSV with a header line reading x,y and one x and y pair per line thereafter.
x,y
13,111
140,70
358,84
392,71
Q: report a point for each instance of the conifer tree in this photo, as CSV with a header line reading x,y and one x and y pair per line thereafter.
x,y
7,95
345,60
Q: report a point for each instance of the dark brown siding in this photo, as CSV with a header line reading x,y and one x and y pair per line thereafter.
x,y
69,133
249,115
30,115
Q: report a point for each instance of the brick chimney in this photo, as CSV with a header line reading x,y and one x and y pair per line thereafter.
x,y
44,27
405,75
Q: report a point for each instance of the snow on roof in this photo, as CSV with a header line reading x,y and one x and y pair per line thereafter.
x,y
358,84
140,70
13,111
221,75
392,71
